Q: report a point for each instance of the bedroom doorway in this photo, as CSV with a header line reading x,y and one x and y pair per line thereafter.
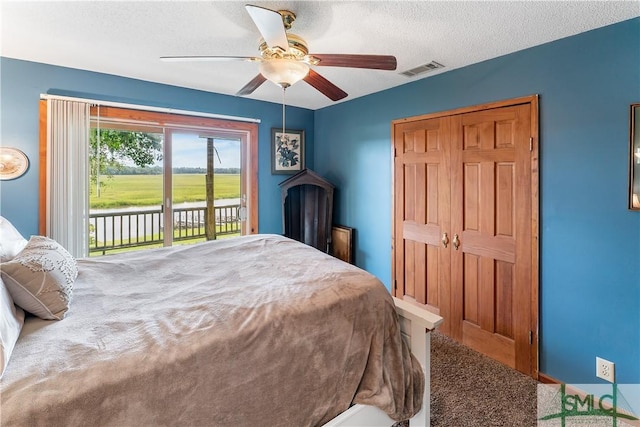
x,y
465,225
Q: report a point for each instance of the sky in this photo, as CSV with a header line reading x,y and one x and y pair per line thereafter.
x,y
190,150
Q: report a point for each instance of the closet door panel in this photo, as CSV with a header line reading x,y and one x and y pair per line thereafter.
x,y
421,214
489,270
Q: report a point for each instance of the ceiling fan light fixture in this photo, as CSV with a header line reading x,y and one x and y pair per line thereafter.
x,y
284,72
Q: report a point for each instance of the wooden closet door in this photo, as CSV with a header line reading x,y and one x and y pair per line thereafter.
x,y
422,214
472,174
492,218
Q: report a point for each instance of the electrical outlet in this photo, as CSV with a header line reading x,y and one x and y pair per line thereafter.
x,y
605,370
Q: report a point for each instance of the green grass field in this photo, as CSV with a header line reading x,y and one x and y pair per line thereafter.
x,y
146,190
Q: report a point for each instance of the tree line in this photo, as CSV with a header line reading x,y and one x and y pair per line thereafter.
x,y
157,170
112,151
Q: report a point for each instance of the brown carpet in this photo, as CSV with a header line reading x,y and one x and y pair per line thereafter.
x,y
469,389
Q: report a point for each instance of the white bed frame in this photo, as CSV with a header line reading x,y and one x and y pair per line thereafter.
x,y
416,324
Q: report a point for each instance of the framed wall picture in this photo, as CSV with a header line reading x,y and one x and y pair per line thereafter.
x,y
634,158
287,151
342,243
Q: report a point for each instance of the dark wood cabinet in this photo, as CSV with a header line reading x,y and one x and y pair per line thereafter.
x,y
307,209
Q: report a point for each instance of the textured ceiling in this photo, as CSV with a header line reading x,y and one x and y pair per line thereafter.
x,y
127,38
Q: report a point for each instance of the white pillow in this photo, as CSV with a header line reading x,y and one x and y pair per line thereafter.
x,y
40,278
11,321
11,241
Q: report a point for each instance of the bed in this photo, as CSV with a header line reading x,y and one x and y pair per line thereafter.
x,y
255,330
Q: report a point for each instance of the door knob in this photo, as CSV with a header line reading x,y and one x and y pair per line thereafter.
x,y
456,241
445,240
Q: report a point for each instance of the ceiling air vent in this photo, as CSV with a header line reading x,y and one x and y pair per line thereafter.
x,y
422,69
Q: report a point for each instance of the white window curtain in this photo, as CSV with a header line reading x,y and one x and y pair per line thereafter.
x,y
68,174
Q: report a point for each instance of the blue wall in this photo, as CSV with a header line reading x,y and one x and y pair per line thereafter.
x,y
590,241
22,82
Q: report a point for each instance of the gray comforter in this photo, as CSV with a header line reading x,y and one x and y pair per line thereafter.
x,y
251,331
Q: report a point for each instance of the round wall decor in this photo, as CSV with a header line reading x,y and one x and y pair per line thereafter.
x,y
13,163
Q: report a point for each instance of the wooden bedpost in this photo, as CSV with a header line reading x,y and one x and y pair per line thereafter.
x,y
417,324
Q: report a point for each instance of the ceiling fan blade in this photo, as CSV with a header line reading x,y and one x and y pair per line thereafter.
x,y
252,85
270,25
376,62
330,90
208,58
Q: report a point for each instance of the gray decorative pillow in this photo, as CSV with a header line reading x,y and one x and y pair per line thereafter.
x,y
40,278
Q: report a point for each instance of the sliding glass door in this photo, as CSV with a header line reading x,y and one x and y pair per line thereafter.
x,y
205,186
166,183
125,186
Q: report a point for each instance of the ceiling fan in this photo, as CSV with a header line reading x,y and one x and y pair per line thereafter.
x,y
285,60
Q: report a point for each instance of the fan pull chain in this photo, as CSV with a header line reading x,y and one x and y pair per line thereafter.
x,y
284,90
